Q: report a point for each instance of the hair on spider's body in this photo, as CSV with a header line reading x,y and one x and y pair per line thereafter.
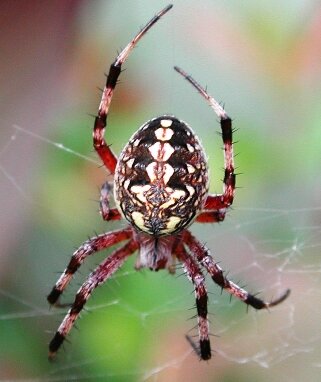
x,y
160,188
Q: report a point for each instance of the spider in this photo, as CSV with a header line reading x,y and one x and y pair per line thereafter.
x,y
160,188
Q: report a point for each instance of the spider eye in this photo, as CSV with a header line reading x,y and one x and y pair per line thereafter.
x,y
161,178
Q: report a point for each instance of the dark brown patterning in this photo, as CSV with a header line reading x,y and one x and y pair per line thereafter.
x,y
161,179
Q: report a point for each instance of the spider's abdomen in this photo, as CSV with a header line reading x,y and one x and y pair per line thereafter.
x,y
161,178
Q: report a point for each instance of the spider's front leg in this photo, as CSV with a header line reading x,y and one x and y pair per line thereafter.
x,y
216,205
216,272
106,154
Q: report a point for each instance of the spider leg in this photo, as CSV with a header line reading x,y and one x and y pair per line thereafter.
x,y
96,278
106,154
106,212
89,247
217,204
214,216
195,275
216,272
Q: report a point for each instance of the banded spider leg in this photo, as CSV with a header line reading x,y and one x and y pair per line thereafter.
x,y
216,205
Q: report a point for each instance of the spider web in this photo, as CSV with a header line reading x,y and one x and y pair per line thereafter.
x,y
134,326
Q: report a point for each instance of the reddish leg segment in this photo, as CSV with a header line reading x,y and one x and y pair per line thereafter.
x,y
96,278
89,247
107,156
211,216
106,212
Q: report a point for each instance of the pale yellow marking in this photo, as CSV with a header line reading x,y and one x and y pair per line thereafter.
x,y
139,191
126,184
130,162
166,122
155,150
136,142
171,224
178,194
190,168
164,134
161,151
190,148
167,204
169,171
191,190
142,198
138,219
151,171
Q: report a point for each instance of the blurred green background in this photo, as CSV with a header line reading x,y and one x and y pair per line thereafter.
x,y
262,60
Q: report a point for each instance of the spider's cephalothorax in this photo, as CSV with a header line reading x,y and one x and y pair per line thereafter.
x,y
161,184
161,179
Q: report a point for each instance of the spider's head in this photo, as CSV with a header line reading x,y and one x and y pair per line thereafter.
x,y
161,179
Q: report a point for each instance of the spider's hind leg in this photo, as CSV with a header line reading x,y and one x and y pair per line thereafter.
x,y
88,248
96,278
195,275
216,272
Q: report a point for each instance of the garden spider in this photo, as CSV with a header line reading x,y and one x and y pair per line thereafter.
x,y
160,187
